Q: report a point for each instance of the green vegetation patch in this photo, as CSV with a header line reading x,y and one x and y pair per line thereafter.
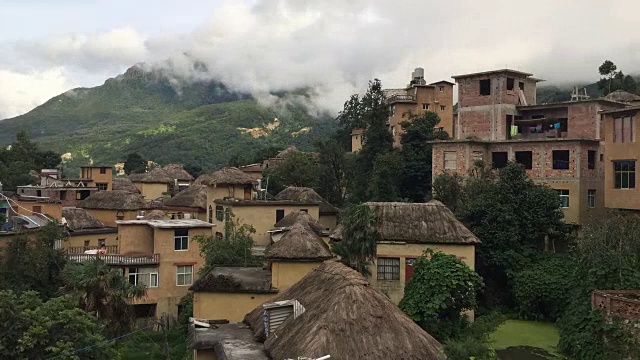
x,y
514,333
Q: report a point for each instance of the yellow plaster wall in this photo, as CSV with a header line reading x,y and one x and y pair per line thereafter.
x,y
135,239
284,274
226,306
329,222
108,217
77,240
620,198
52,209
395,288
152,191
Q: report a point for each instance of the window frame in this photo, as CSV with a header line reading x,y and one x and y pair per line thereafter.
x,y
591,198
184,239
529,165
184,275
388,269
591,159
441,88
279,214
624,169
210,217
425,107
512,82
219,212
555,163
484,84
564,194
493,162
447,162
136,275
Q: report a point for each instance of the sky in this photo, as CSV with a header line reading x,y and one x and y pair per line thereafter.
x,y
331,46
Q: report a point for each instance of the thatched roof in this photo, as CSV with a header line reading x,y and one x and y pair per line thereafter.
x,y
194,196
125,185
300,217
346,318
155,215
336,234
622,96
227,175
78,219
299,243
163,174
113,200
430,222
286,152
298,193
234,279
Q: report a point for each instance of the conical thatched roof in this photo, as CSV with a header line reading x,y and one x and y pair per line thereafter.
x,y
300,217
194,196
78,219
430,222
622,96
155,215
286,152
297,193
227,175
113,200
336,234
299,243
125,185
163,174
345,317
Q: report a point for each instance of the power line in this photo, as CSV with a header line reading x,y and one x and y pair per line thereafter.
x,y
9,201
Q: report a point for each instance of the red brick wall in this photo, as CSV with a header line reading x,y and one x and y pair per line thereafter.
x,y
623,303
469,90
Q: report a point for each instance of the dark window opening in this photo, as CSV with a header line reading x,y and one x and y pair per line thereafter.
x,y
525,158
181,239
210,215
39,193
485,87
499,159
591,159
279,215
510,83
521,85
103,171
218,235
305,210
63,195
560,159
219,213
388,268
102,186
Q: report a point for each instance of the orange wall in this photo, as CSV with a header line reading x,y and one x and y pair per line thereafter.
x,y
53,210
108,217
621,198
286,273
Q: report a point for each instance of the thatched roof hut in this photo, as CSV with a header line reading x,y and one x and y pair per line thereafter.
x,y
155,215
124,184
113,200
195,196
163,175
622,96
227,175
300,243
300,217
298,193
286,152
430,222
346,318
79,219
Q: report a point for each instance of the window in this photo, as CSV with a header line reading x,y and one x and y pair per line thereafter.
x,y
184,275
525,158
210,215
78,196
442,107
279,214
624,173
521,85
36,209
102,242
143,276
564,198
591,198
591,159
86,244
38,193
181,239
305,210
388,268
441,88
624,129
103,171
102,186
218,235
450,160
219,213
499,159
425,106
560,159
120,215
485,87
476,156
510,83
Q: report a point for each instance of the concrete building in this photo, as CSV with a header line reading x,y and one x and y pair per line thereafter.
x,y
417,98
559,144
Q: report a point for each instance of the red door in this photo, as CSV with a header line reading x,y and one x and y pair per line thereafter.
x,y
408,268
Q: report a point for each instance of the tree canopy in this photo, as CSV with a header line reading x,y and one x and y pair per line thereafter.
x,y
19,158
134,164
357,248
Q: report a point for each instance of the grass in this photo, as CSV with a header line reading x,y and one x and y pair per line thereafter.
x,y
526,333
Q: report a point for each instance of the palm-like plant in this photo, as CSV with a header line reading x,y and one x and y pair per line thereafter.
x,y
103,291
359,238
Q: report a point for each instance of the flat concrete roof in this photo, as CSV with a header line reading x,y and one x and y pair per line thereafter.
x,y
566,103
168,224
494,72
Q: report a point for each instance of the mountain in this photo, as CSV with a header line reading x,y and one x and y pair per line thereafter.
x,y
553,93
201,123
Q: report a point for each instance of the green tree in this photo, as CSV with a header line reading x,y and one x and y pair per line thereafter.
x,y
33,329
104,291
441,288
629,84
449,189
233,248
21,157
359,238
297,169
135,164
332,172
609,70
419,131
385,177
34,264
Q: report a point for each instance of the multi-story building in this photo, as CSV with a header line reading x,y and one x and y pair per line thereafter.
x,y
621,157
417,98
559,144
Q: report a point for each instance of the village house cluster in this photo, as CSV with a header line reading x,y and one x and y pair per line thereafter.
x,y
145,225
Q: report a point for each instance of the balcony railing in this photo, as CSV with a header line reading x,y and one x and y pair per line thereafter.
x,y
112,259
109,249
401,98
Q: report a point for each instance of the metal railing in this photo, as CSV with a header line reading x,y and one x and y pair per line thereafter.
x,y
112,259
110,249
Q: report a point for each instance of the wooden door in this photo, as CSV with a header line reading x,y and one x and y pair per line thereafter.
x,y
408,268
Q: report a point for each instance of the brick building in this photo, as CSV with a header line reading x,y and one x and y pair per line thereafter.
x,y
417,98
559,144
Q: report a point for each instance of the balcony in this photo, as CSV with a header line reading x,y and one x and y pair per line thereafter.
x,y
114,259
401,98
77,250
